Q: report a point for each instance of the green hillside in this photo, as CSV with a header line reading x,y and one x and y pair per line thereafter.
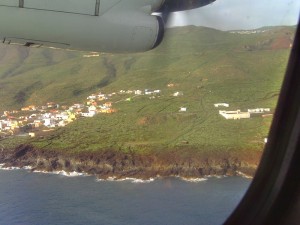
x,y
208,66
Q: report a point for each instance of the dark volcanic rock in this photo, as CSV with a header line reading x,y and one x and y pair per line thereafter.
x,y
119,164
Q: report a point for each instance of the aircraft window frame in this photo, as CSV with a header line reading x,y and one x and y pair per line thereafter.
x,y
273,196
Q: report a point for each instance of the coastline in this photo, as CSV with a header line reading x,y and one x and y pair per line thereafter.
x,y
112,165
114,179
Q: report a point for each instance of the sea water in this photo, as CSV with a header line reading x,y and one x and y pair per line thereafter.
x,y
37,198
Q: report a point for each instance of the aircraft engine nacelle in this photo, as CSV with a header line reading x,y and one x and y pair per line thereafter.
x,y
181,5
87,25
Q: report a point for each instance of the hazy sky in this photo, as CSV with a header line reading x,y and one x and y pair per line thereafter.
x,y
240,14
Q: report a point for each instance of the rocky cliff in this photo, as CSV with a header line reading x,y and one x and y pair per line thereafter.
x,y
112,163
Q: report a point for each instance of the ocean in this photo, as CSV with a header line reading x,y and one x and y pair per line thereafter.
x,y
28,198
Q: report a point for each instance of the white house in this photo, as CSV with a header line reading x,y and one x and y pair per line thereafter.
x,y
92,97
92,108
221,104
62,116
234,115
49,122
138,92
89,114
178,93
148,92
31,134
77,106
32,116
259,110
182,109
46,115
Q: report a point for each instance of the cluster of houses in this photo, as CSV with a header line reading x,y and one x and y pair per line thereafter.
x,y
34,118
43,118
248,31
238,114
51,115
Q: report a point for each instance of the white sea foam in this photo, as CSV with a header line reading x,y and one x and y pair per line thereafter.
x,y
40,171
193,180
9,167
143,181
244,175
132,180
62,173
27,168
3,167
216,176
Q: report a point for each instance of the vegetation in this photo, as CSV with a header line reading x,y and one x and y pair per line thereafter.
x,y
207,65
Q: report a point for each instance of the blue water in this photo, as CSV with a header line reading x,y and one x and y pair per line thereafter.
x,y
32,198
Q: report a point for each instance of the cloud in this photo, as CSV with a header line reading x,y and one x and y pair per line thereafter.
x,y
240,14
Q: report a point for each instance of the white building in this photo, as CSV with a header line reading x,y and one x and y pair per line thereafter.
x,y
234,115
178,93
221,104
89,114
138,92
49,122
92,97
62,116
182,109
148,92
92,108
259,110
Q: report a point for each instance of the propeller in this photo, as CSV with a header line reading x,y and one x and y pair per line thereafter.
x,y
170,6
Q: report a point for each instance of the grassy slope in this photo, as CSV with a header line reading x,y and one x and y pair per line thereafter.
x,y
209,66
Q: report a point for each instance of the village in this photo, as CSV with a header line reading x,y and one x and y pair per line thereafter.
x,y
33,120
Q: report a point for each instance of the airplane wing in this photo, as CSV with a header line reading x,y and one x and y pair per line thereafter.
x,y
89,25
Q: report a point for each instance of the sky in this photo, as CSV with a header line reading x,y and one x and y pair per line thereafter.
x,y
240,14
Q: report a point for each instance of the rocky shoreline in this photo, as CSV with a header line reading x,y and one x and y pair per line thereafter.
x,y
120,165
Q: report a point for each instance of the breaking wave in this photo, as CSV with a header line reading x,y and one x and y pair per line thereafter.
x,y
193,180
132,180
63,173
